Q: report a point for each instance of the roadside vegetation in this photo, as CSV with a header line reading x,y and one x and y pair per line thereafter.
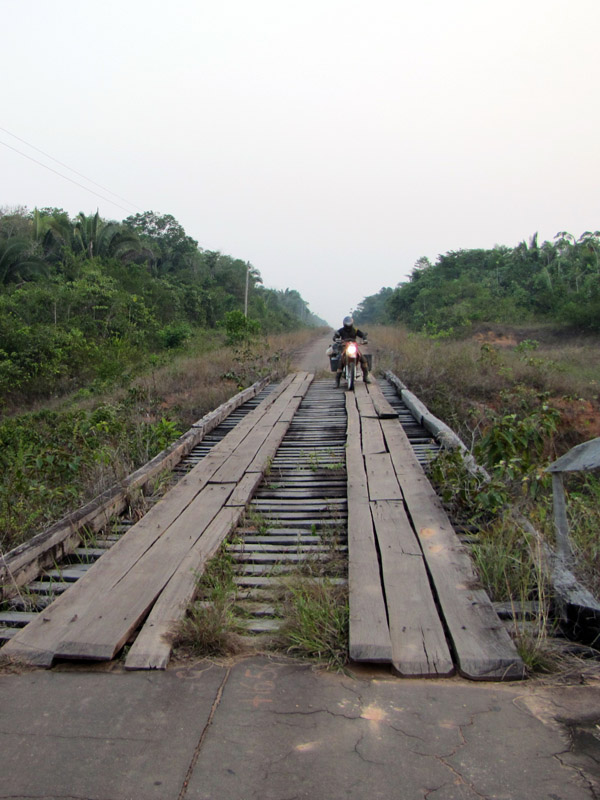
x,y
114,339
519,394
66,451
518,403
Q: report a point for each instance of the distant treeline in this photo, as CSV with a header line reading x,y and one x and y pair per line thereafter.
x,y
84,299
556,281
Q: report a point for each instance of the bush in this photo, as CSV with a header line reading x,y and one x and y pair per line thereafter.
x,y
174,335
239,327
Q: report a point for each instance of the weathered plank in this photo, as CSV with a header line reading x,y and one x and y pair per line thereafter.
x,y
25,562
115,610
383,408
419,647
369,638
482,646
371,435
153,644
37,642
381,477
245,489
235,467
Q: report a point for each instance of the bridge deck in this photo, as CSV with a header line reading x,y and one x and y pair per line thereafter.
x,y
166,548
413,596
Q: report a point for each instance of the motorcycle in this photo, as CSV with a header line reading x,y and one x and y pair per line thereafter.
x,y
348,351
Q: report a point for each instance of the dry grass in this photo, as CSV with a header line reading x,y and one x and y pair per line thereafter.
x,y
196,383
141,417
489,387
453,377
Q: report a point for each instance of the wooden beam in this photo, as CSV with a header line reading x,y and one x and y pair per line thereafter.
x,y
383,408
369,632
419,647
482,646
115,608
381,478
153,645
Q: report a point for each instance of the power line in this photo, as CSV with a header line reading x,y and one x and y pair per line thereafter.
x,y
69,168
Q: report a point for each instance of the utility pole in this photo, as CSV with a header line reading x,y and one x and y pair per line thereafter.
x,y
246,295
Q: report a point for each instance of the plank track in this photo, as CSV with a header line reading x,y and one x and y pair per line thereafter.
x,y
424,565
413,597
86,622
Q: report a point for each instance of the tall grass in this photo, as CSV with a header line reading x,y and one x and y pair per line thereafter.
x,y
519,397
64,452
316,620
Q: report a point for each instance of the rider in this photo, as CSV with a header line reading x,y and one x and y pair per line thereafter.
x,y
349,333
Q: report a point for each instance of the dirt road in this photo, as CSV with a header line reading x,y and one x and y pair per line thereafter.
x,y
312,356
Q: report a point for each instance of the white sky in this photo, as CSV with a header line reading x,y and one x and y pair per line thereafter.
x,y
329,142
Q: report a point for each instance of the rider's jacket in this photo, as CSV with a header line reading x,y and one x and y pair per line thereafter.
x,y
349,333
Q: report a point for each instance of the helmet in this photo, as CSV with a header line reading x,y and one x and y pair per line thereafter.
x,y
348,321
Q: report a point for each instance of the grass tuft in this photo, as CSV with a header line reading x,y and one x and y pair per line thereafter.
x,y
210,627
316,623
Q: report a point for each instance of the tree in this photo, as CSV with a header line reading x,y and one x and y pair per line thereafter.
x,y
18,262
168,246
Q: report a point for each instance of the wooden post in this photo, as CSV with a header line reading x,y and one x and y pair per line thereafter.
x,y
246,293
561,524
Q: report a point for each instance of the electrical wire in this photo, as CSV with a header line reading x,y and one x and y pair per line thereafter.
x,y
66,177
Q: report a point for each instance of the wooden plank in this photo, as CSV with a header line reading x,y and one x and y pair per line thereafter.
x,y
383,408
152,647
364,402
371,435
483,647
381,477
369,638
25,562
114,611
234,468
294,404
306,378
419,647
36,643
245,489
269,448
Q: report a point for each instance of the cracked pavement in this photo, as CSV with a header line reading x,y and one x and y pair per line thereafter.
x,y
278,730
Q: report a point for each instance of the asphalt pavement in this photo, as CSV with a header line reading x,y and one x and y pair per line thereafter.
x,y
274,729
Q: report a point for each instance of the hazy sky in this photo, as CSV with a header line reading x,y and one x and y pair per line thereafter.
x,y
329,142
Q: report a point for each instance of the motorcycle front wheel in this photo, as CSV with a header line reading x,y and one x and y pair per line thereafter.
x,y
351,372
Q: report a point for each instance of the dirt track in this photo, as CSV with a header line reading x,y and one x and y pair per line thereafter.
x,y
312,356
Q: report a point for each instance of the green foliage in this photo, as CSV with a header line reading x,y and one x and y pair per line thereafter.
x,y
316,615
468,496
518,442
48,458
557,281
89,301
239,327
175,334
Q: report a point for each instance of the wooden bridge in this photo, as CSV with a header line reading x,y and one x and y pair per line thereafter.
x,y
414,596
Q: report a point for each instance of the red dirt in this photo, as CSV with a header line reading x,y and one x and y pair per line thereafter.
x,y
579,416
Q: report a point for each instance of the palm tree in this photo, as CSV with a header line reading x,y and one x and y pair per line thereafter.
x,y
18,262
96,237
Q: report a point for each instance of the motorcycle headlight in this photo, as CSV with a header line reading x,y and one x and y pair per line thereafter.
x,y
351,349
